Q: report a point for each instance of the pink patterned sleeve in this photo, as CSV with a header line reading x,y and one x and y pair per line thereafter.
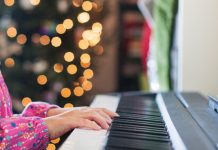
x,y
38,109
23,133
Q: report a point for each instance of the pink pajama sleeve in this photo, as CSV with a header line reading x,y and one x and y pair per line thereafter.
x,y
39,109
23,133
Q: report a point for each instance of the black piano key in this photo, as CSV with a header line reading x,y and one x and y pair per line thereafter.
x,y
154,132
142,123
139,127
141,136
139,113
137,144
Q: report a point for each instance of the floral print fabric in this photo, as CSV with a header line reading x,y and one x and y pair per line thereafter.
x,y
25,131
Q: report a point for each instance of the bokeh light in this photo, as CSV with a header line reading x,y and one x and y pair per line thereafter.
x,y
85,65
85,58
44,40
35,2
87,85
88,73
56,141
87,35
58,68
72,69
78,91
42,79
97,27
26,101
60,29
87,6
9,62
68,105
9,2
56,41
83,44
68,56
51,147
94,41
83,17
65,92
11,32
21,39
68,23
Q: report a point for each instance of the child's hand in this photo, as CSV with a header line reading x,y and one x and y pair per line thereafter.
x,y
90,118
57,111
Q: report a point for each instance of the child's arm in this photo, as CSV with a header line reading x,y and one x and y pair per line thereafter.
x,y
23,132
39,109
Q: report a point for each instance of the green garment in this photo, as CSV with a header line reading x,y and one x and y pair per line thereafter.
x,y
164,19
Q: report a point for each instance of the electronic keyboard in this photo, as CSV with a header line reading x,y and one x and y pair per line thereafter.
x,y
151,121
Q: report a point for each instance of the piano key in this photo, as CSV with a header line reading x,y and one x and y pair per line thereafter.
x,y
149,137
142,123
131,128
94,140
137,144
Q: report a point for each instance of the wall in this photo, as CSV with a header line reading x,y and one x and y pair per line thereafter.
x,y
199,46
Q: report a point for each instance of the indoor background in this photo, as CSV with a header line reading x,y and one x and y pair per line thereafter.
x,y
67,51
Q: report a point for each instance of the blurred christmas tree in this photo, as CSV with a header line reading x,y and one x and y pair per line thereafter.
x,y
48,47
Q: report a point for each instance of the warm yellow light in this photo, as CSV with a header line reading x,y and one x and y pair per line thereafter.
x,y
78,91
35,2
26,101
9,62
98,50
51,147
94,41
68,23
68,105
88,73
68,56
97,27
56,41
9,2
85,58
12,32
60,29
87,85
85,65
87,6
83,44
83,17
21,39
87,35
58,67
72,69
44,40
65,92
42,79
55,141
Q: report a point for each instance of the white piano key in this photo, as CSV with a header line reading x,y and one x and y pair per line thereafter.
x,y
82,139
